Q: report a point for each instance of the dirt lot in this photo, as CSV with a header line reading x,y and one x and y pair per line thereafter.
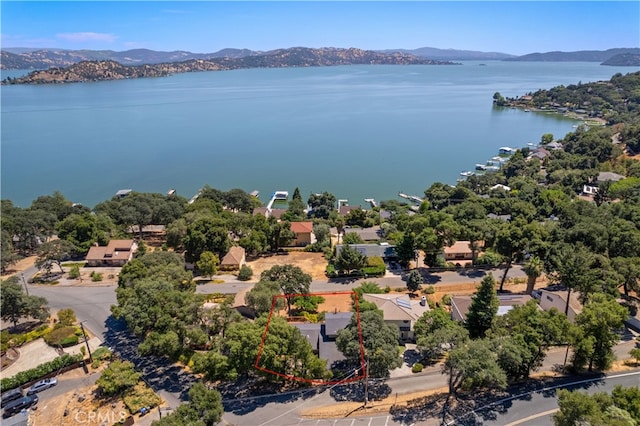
x,y
313,264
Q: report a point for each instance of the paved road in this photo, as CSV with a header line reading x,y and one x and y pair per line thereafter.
x,y
537,408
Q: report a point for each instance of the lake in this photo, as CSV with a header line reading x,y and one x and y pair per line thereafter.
x,y
355,131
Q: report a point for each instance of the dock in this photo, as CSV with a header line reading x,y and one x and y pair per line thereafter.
x,y
277,195
372,202
413,198
195,197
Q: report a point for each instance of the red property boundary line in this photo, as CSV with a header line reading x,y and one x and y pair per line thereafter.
x,y
361,374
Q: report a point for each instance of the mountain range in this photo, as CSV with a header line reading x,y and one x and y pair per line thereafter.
x,y
29,58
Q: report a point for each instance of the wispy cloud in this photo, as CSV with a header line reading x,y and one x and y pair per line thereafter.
x,y
176,11
12,40
88,36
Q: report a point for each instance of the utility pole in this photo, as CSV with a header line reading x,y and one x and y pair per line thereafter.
x,y
24,282
86,342
366,384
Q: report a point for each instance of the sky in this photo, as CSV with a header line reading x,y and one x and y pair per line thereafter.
x,y
514,27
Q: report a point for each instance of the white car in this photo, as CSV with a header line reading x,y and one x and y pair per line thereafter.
x,y
42,385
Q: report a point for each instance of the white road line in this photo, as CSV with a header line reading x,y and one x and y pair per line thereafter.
x,y
535,416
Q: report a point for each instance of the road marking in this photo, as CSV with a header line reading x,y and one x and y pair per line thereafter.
x,y
535,416
511,398
386,421
370,420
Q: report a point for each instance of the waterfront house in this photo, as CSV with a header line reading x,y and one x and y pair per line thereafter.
x,y
344,210
505,150
539,153
277,213
303,234
399,310
366,234
234,259
116,253
500,186
554,146
460,304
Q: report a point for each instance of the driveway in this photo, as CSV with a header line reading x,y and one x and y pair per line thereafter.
x,y
38,352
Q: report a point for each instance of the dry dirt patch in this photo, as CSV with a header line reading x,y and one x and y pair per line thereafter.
x,y
313,264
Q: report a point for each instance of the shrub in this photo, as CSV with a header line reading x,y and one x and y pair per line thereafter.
x,y
417,367
74,272
66,317
101,353
140,396
60,335
245,273
35,373
446,299
429,290
96,276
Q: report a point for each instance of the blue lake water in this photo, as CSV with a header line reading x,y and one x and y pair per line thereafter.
x,y
356,131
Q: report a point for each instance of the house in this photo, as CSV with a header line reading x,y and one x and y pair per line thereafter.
x,y
234,259
344,210
399,310
554,146
539,153
608,177
304,234
500,186
148,230
383,250
460,304
334,322
116,253
123,193
277,213
366,234
558,299
502,217
460,252
311,331
505,150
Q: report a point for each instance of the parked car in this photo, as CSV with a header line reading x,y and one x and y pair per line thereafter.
x,y
42,385
10,396
20,404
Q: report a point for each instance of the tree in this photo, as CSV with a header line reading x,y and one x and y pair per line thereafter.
x,y
295,209
260,297
206,234
533,268
621,408
118,377
15,304
204,408
380,341
291,280
349,259
509,243
83,230
53,252
352,238
597,326
483,309
629,269
414,280
473,366
406,248
321,205
436,333
67,317
279,234
208,263
7,255
522,337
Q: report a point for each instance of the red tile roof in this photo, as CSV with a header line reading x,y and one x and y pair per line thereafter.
x,y
302,227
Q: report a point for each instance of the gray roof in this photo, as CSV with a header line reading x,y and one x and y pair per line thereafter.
x,y
311,331
371,250
334,322
609,176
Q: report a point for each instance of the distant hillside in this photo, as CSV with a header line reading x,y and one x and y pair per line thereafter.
x,y
25,58
579,56
624,60
452,54
282,58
